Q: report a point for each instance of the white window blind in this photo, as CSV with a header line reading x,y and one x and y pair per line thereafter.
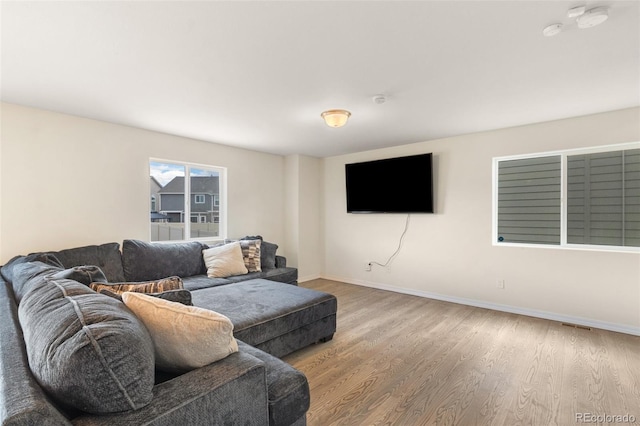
x,y
603,198
601,192
529,200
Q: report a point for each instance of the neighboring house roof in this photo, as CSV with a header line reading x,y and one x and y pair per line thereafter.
x,y
199,185
155,181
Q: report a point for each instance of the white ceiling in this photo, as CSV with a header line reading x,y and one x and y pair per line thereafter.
x,y
258,74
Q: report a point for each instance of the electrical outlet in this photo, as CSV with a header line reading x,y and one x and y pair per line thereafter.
x,y
500,284
367,266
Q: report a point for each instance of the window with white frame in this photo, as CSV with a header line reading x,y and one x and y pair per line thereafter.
x,y
587,198
182,212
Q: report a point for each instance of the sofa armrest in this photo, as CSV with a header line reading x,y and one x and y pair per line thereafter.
x,y
281,262
230,391
22,401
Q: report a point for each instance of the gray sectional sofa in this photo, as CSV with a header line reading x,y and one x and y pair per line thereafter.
x,y
69,355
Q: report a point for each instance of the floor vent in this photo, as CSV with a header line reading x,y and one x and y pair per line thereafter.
x,y
581,327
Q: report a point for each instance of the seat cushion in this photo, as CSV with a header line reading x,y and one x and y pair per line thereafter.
x,y
262,310
287,388
283,275
197,282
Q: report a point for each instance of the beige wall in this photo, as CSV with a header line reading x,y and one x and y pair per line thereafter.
x,y
449,255
69,181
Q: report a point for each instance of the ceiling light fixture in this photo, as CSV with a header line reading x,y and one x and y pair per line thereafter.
x,y
593,17
576,11
336,117
552,30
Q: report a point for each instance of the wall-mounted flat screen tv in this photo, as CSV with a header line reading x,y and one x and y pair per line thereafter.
x,y
392,185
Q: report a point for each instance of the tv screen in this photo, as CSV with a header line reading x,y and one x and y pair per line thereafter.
x,y
393,185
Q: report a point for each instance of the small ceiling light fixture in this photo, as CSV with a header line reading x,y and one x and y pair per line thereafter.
x,y
576,11
552,30
379,99
593,17
336,117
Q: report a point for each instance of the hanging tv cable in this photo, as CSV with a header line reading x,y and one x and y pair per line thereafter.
x,y
393,256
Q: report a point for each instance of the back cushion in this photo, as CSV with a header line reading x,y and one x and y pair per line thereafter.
x,y
86,350
144,261
106,257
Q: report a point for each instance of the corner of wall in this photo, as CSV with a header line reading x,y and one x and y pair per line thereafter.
x,y
303,214
291,171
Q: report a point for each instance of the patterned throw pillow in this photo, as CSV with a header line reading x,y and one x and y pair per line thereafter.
x,y
251,254
267,252
165,284
179,296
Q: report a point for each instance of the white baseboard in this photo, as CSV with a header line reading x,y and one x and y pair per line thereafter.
x,y
308,278
620,328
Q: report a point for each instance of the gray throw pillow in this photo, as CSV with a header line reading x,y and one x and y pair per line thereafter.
x,y
86,274
105,256
87,351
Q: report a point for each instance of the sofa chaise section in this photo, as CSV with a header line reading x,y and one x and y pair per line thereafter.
x,y
274,317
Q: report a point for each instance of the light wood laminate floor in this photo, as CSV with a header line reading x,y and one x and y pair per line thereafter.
x,y
398,359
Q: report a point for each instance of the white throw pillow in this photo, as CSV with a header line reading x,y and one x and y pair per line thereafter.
x,y
224,261
185,337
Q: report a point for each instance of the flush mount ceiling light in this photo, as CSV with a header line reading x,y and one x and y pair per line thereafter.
x,y
336,117
593,17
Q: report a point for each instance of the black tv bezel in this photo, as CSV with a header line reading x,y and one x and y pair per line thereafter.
x,y
406,211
